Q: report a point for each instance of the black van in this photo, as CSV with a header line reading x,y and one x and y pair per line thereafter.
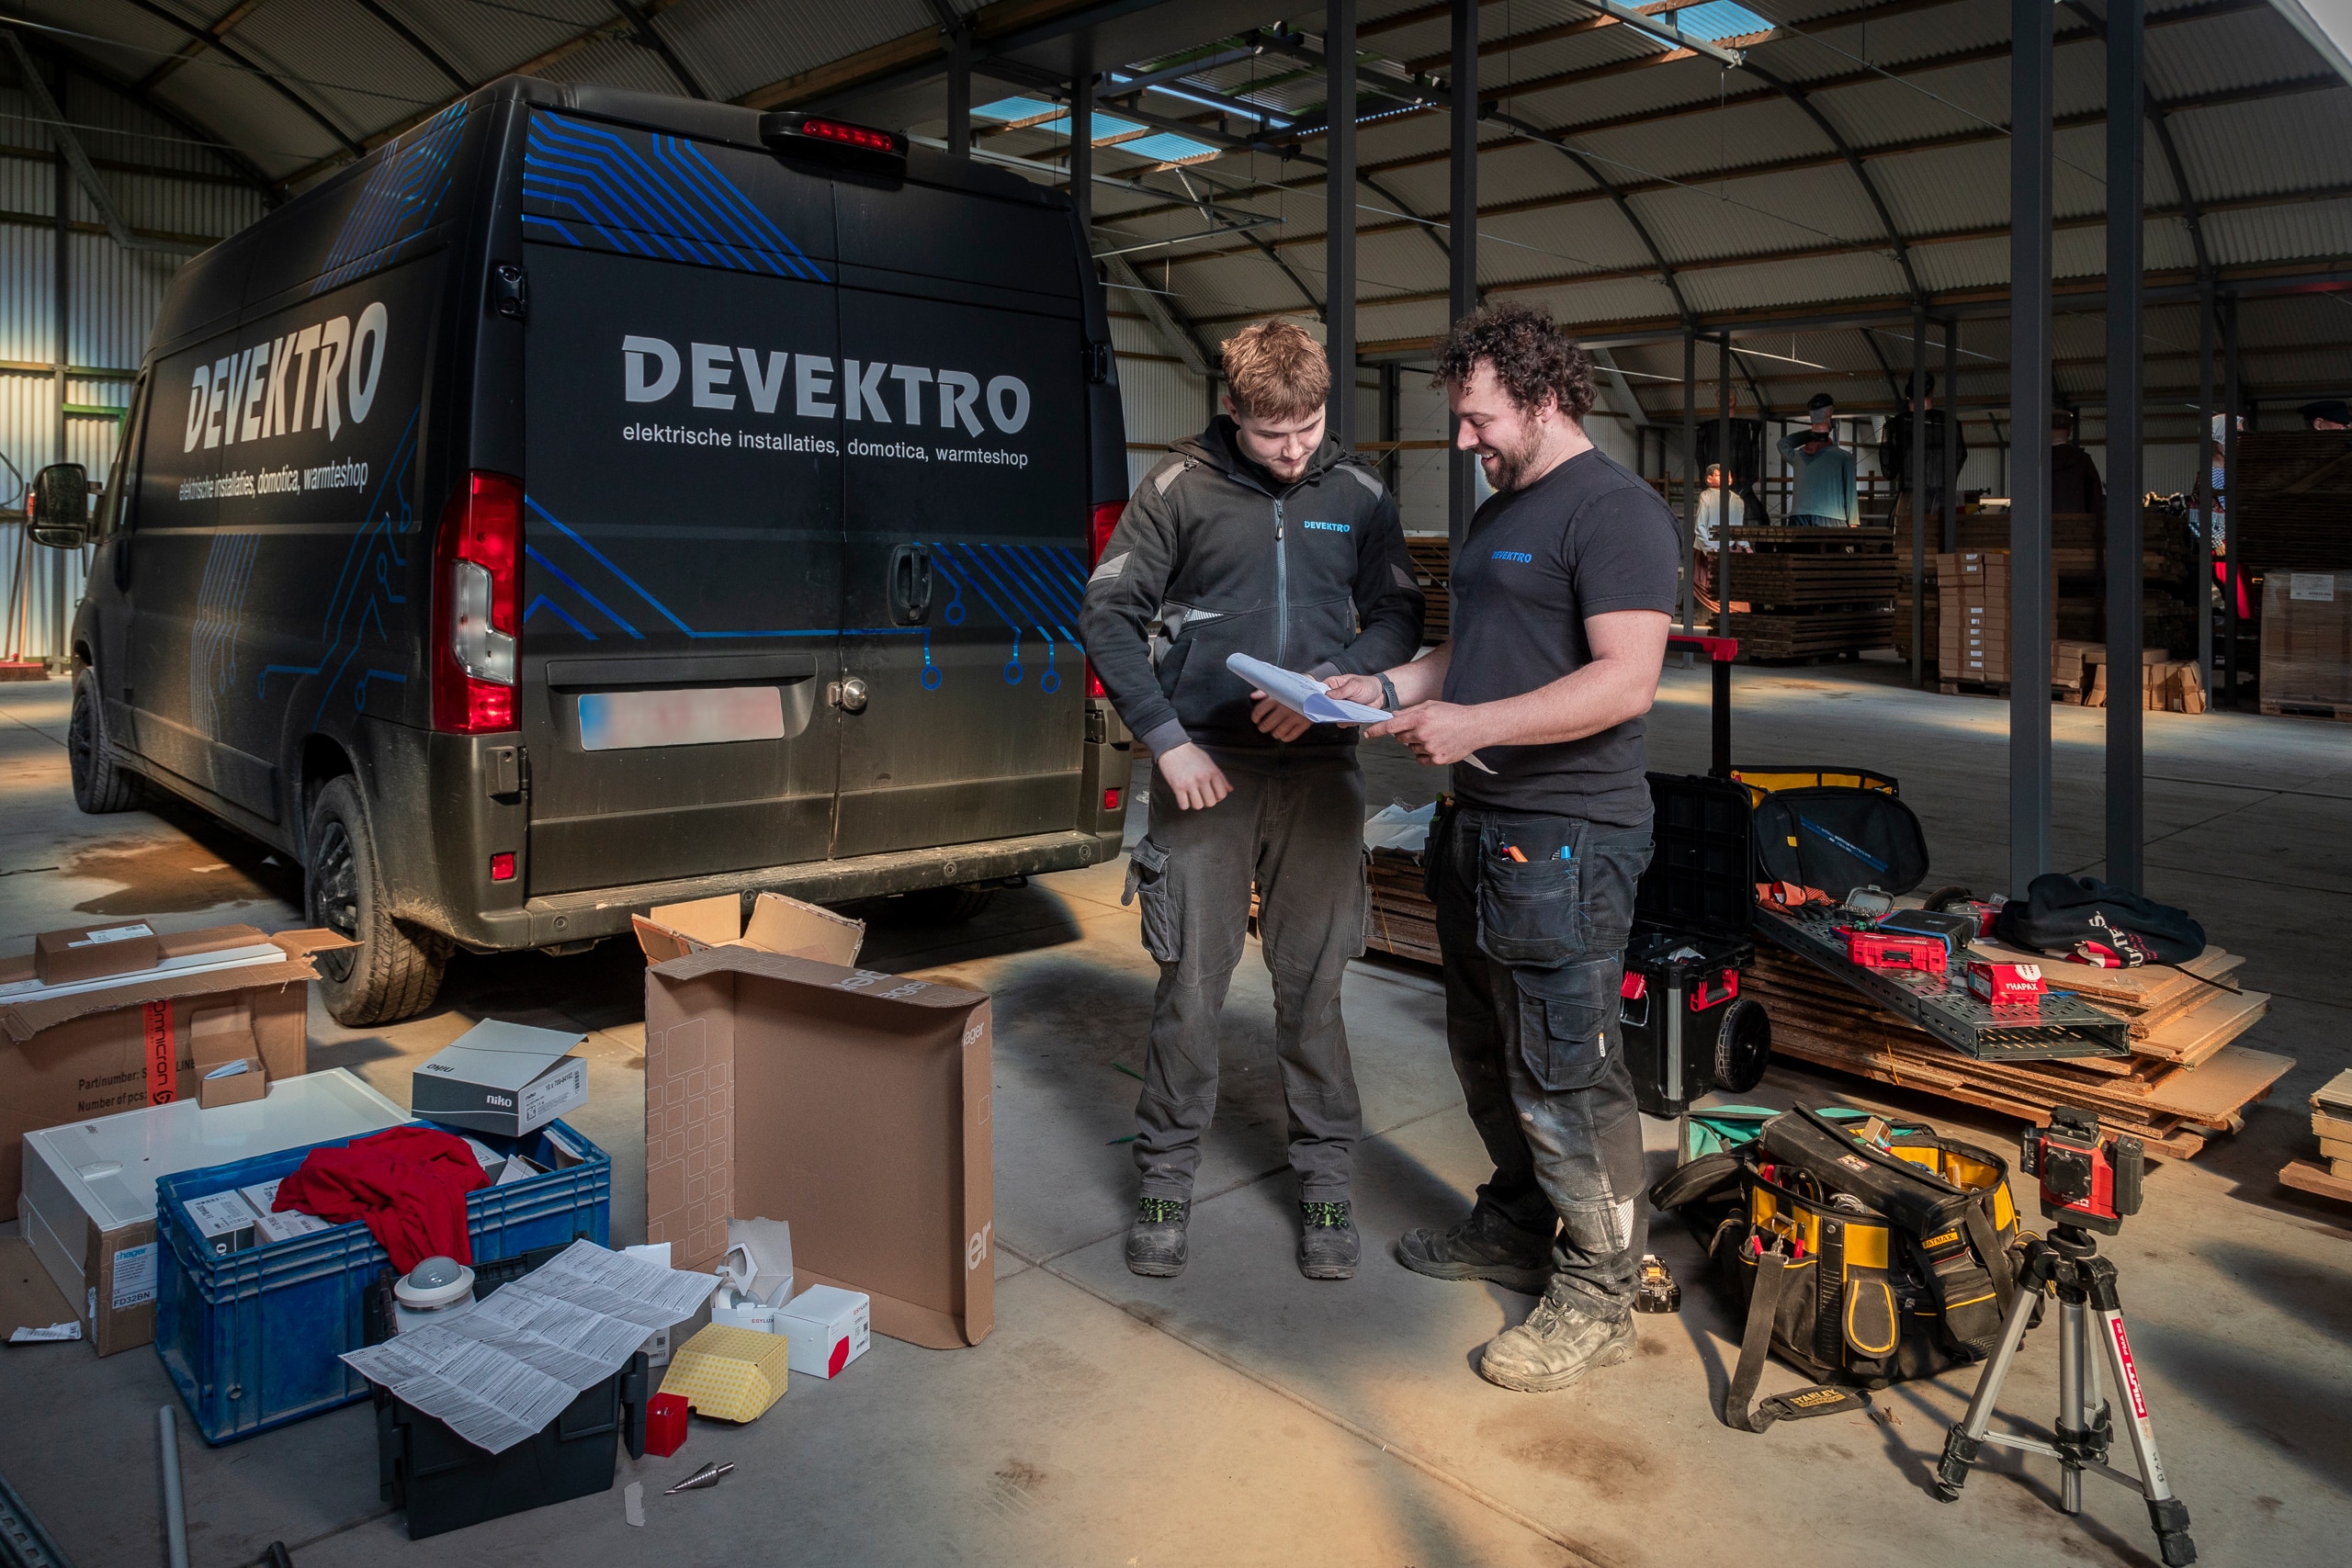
x,y
594,500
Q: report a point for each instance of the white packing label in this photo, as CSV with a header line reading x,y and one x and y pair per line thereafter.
x,y
2316,586
134,1277
112,933
555,1093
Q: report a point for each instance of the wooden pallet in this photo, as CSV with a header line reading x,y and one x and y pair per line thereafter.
x,y
1974,688
1763,635
2340,712
1433,572
1404,922
2310,1175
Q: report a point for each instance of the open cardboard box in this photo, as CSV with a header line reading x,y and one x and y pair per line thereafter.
x,y
853,1104
129,1041
778,924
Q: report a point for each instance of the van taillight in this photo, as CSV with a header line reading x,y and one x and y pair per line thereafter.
x,y
478,599
1099,524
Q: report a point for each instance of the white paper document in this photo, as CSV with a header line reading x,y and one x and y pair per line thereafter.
x,y
1306,695
509,1367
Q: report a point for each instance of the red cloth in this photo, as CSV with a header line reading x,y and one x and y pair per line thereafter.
x,y
408,1183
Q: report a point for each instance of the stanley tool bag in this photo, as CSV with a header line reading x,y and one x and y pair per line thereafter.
x,y
1863,1254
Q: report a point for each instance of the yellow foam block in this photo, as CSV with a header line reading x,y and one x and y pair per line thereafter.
x,y
731,1373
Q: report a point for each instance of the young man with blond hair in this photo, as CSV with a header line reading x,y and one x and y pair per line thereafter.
x,y
1260,537
1563,590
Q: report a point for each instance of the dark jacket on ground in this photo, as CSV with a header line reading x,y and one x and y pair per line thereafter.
x,y
1310,576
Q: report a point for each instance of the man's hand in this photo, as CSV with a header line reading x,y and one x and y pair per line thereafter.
x,y
1198,782
1365,689
1439,733
1275,719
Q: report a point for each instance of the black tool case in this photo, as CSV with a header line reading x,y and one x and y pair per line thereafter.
x,y
445,1482
1687,1030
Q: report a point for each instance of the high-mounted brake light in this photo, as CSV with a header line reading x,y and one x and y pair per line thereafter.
x,y
1101,523
477,604
795,130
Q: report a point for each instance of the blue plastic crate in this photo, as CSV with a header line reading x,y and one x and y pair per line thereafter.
x,y
252,1340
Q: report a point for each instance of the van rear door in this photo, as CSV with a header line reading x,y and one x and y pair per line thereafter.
x,y
964,429
682,583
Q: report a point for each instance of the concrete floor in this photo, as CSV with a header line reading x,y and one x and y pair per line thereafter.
x,y
1241,1414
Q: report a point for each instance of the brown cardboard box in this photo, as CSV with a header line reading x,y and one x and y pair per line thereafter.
x,y
220,1042
778,924
118,1047
852,1104
92,953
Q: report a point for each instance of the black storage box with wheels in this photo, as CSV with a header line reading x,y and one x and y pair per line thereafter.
x,y
445,1482
1687,1031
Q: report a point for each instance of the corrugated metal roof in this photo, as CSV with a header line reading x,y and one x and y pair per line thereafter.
x,y
2268,144
2242,49
2311,230
734,46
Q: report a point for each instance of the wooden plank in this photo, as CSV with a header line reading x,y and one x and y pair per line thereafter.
x,y
2216,1092
2334,1095
2307,1176
2196,1036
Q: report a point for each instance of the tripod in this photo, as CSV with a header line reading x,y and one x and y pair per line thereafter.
x,y
2086,1294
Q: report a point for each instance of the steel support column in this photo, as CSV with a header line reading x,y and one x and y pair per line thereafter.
x,y
2126,804
1689,478
1339,216
63,279
1392,422
2029,340
2201,489
1951,432
1081,132
2232,406
1723,486
1461,237
1919,498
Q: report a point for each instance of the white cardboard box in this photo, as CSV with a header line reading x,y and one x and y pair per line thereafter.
x,y
500,1077
88,1204
829,1328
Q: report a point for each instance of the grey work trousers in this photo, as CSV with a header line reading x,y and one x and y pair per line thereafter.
x,y
1534,950
1293,825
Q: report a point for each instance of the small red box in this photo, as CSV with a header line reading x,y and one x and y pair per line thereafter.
x,y
1897,949
665,1424
2007,985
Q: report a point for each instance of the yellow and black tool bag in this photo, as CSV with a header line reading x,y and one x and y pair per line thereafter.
x,y
1861,1254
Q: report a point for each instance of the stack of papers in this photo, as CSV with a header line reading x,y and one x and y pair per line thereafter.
x,y
509,1367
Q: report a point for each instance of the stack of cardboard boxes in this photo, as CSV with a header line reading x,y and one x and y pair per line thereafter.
x,y
1973,618
2307,643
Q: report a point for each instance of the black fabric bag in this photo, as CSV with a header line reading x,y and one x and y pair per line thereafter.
x,y
1838,838
2060,913
1863,1262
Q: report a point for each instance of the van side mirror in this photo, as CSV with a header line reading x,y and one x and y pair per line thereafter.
x,y
59,507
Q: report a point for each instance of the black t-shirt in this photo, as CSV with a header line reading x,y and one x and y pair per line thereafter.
x,y
1587,538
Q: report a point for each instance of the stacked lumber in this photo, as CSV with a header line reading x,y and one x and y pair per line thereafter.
x,y
2287,507
1806,580
2185,1081
1404,922
1433,571
1824,633
2330,1176
1805,593
2170,598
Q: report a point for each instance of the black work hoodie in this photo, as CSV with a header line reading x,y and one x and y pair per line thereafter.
x,y
1310,576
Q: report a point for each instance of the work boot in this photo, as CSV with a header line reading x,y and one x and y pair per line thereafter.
x,y
1484,1247
1556,1346
1327,1246
1156,1239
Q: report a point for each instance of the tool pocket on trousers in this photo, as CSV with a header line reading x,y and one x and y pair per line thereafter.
x,y
1148,881
1564,1017
1528,911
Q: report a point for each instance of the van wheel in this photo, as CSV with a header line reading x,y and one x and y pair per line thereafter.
x,y
101,785
948,906
396,969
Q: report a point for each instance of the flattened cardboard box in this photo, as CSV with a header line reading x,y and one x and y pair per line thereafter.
x,y
854,1105
70,1058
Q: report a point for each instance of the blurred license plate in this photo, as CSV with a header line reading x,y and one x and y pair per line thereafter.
x,y
625,721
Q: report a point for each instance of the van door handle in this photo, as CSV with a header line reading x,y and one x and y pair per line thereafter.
x,y
909,585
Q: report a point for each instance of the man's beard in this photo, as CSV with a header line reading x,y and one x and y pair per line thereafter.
x,y
1512,463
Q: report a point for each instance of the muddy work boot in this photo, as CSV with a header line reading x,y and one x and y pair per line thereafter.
x,y
1156,1239
1554,1347
1484,1247
1327,1246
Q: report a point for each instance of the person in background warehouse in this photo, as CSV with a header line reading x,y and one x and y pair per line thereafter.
x,y
1261,537
2328,413
1822,494
1894,449
2074,484
1704,542
2217,511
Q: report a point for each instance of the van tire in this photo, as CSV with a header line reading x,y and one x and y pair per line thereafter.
x,y
100,784
949,905
396,970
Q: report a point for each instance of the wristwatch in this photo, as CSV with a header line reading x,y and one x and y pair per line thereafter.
x,y
1388,692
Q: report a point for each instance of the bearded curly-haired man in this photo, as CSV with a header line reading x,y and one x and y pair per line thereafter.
x,y
1562,592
